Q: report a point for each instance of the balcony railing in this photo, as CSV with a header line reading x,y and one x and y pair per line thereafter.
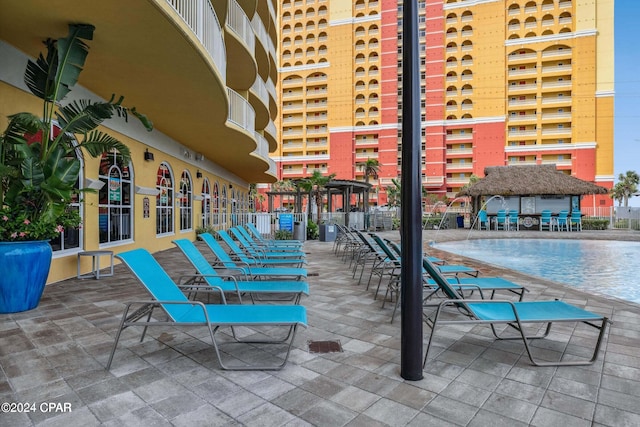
x,y
260,31
523,117
532,132
459,136
200,16
260,89
241,112
557,99
562,83
238,22
556,69
262,148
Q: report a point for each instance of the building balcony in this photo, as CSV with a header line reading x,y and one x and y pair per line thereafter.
x,y
458,151
556,69
362,157
523,133
523,118
557,132
556,116
271,133
521,88
557,162
458,180
459,136
556,100
522,57
557,84
523,102
259,99
241,42
523,72
515,162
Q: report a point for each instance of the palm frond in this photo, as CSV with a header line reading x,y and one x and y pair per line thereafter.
x,y
97,142
72,53
40,75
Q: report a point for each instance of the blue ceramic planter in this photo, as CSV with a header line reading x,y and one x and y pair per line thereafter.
x,y
24,267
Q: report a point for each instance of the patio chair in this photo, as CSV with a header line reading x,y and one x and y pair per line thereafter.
x,y
483,220
575,221
513,314
513,220
207,275
562,221
501,220
182,312
250,271
251,260
258,252
545,220
397,250
259,244
256,234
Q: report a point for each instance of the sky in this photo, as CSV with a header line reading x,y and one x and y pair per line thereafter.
x,y
627,90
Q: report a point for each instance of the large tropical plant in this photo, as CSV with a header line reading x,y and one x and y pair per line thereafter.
x,y
315,185
39,165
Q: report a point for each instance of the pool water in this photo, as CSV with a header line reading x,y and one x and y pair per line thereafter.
x,y
597,266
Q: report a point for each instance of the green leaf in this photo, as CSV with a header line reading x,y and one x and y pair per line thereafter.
x,y
72,53
63,169
97,142
40,75
32,173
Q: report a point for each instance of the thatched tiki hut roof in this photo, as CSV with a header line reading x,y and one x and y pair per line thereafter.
x,y
529,180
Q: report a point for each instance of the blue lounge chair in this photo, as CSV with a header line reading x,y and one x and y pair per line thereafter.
x,y
259,252
239,254
261,245
225,261
514,314
257,236
208,275
182,312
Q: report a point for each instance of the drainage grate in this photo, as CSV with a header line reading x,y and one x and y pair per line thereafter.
x,y
324,346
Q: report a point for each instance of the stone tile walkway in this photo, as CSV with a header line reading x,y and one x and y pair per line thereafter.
x,y
57,353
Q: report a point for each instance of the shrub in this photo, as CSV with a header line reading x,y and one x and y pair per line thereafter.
x,y
313,231
283,235
595,224
204,229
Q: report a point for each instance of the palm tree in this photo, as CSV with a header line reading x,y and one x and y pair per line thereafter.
x,y
626,187
394,193
370,169
315,185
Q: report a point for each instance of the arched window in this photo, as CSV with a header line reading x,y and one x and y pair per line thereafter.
x,y
234,208
115,206
186,202
223,206
215,204
206,204
164,200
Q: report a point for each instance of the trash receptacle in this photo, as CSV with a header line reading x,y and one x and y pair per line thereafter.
x,y
328,232
299,231
460,221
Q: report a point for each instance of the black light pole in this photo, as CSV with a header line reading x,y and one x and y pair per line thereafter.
x,y
411,215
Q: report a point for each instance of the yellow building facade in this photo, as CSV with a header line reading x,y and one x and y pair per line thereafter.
x,y
203,71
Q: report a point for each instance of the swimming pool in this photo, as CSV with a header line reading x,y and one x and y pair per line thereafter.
x,y
597,266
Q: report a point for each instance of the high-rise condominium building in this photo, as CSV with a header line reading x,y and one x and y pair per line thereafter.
x,y
503,82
